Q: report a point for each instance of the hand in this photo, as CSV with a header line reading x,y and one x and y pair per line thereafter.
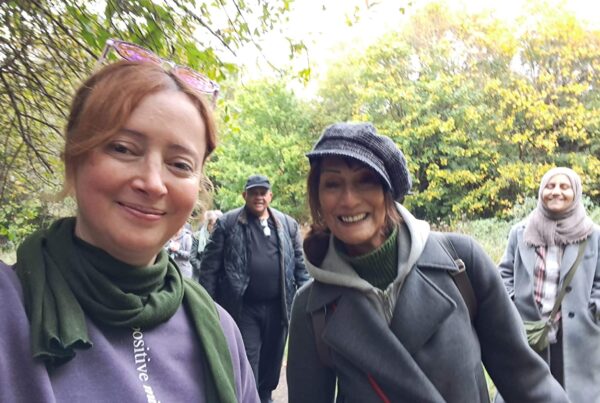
x,y
174,246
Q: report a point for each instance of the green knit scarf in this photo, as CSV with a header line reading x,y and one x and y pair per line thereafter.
x,y
380,266
64,279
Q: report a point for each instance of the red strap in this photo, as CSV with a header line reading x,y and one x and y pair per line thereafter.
x,y
378,389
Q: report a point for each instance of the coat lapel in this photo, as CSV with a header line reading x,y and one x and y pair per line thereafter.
x,y
413,325
527,252
357,333
568,258
362,337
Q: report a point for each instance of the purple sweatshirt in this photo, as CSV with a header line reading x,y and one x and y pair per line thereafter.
x,y
162,364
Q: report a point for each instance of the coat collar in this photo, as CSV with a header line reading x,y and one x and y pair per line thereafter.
x,y
434,256
362,337
355,329
529,256
569,257
326,266
243,216
527,252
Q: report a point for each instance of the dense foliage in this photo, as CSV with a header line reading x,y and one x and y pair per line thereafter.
x,y
48,46
268,130
480,107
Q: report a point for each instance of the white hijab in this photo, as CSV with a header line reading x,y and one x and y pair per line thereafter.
x,y
546,228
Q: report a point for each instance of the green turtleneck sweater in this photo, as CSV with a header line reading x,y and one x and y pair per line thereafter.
x,y
380,266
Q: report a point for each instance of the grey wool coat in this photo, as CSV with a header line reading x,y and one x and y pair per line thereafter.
x,y
580,309
413,342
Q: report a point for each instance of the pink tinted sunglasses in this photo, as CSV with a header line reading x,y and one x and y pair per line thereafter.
x,y
135,53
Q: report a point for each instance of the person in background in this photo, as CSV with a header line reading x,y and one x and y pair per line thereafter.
x,y
180,248
94,310
391,315
253,265
201,238
540,251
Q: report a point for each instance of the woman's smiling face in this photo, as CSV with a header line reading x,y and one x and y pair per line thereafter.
x,y
352,204
558,194
138,188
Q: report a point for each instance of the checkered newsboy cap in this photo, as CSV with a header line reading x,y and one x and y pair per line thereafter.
x,y
362,142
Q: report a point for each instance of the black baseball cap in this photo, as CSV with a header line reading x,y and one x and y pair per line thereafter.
x,y
255,181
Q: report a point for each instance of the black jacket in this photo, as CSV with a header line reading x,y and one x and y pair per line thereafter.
x,y
224,271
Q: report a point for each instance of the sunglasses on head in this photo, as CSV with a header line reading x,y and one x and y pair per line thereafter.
x,y
135,53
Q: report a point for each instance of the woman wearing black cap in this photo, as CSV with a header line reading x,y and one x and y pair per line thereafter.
x,y
391,315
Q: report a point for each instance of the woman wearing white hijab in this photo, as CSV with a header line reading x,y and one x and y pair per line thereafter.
x,y
540,252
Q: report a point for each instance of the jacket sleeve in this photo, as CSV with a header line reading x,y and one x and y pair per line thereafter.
x,y
308,380
22,379
185,251
195,258
211,265
300,273
595,295
507,263
519,374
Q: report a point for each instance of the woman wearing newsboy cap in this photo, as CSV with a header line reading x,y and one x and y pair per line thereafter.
x,y
391,315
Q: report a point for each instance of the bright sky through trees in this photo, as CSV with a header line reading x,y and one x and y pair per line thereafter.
x,y
332,28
